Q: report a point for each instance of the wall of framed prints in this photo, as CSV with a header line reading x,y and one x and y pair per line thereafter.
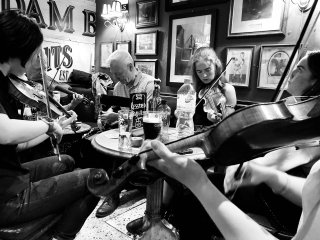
x,y
261,43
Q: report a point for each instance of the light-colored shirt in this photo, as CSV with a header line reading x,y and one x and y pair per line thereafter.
x,y
143,83
310,218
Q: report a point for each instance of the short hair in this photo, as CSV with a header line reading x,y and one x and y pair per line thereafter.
x,y
120,56
314,63
206,54
20,36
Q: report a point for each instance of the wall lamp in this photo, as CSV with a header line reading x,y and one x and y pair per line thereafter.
x,y
304,5
116,14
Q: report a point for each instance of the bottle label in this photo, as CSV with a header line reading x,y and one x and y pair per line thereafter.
x,y
186,103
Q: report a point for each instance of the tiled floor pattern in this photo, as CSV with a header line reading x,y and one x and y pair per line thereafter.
x,y
112,227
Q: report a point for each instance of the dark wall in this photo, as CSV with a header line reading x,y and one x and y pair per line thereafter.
x,y
294,23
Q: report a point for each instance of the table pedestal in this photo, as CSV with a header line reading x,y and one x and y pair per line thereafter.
x,y
154,227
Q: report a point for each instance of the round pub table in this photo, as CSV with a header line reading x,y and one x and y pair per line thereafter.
x,y
107,143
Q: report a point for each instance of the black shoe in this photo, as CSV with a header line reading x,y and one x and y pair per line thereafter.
x,y
108,206
129,195
136,227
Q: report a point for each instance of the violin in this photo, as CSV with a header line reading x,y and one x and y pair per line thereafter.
x,y
245,134
27,94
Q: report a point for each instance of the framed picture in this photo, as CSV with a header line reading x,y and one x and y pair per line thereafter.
x,y
147,13
105,50
257,17
172,5
187,32
123,45
148,66
146,43
238,70
273,61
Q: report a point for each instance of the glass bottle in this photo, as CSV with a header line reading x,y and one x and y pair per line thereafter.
x,y
165,112
155,101
186,103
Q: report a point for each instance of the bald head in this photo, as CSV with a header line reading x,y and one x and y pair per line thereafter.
x,y
122,67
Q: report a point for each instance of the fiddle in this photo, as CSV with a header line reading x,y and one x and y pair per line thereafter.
x,y
25,93
245,134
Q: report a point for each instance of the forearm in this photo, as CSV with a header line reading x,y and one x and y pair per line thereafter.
x,y
231,221
20,131
289,187
32,143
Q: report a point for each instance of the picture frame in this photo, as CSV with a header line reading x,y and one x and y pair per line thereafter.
x,y
146,43
105,50
173,5
123,45
273,61
251,18
148,66
238,72
147,13
187,32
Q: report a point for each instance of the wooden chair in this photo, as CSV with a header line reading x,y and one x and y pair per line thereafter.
x,y
37,229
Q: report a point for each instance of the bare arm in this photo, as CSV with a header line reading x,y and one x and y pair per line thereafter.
x,y
19,131
231,221
231,97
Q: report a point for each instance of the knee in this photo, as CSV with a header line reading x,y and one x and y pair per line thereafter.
x,y
68,161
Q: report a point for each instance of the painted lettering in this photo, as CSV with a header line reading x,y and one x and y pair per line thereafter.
x,y
34,11
88,24
56,21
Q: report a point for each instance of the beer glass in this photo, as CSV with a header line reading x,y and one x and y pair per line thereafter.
x,y
125,129
152,123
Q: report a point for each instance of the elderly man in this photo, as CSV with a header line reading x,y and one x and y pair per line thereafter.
x,y
129,80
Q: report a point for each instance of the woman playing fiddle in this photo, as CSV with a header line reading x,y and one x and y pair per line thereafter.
x,y
34,74
304,81
44,186
221,99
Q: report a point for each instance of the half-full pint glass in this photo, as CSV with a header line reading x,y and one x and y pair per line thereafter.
x,y
152,123
125,129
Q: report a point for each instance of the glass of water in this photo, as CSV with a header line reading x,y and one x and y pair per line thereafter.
x,y
125,129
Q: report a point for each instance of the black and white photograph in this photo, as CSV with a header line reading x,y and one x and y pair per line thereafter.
x,y
147,13
238,72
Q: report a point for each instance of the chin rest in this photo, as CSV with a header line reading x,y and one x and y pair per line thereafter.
x,y
30,230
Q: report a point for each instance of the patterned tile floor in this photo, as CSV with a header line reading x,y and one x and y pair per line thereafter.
x,y
112,227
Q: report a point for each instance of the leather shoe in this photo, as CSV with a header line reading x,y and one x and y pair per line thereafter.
x,y
136,227
108,206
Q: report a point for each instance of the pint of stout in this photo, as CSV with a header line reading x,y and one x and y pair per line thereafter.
x,y
152,123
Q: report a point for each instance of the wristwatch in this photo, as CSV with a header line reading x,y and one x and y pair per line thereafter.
x,y
50,123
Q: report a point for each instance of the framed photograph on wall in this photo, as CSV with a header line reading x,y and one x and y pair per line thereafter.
x,y
105,50
123,45
148,66
187,32
146,43
273,61
238,70
172,5
147,13
257,17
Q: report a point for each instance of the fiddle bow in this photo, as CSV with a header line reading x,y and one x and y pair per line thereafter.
x,y
53,138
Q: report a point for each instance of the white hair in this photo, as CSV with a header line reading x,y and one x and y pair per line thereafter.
x,y
120,56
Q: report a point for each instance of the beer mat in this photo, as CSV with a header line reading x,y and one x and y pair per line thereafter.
x,y
111,134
